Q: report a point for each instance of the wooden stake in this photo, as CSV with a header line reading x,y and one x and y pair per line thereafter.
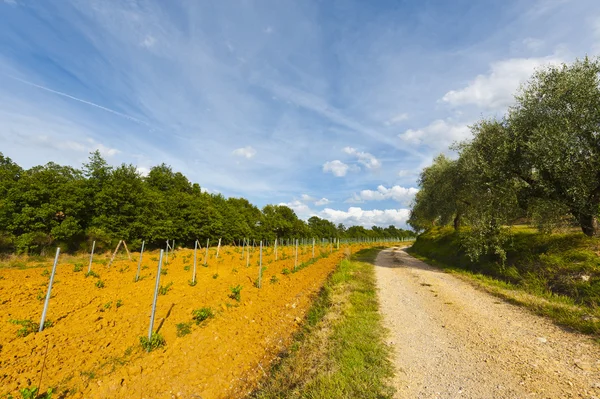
x,y
114,253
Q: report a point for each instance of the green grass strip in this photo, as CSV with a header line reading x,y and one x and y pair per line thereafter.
x,y
340,351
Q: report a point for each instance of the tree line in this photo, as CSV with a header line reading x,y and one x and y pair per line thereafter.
x,y
539,163
52,205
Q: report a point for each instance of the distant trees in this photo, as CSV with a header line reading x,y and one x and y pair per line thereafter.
x,y
541,161
60,205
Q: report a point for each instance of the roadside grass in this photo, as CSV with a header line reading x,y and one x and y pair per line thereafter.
x,y
557,276
339,351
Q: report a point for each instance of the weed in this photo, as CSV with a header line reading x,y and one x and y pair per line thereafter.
x,y
90,375
216,275
32,393
28,326
40,296
107,305
144,267
274,279
153,258
236,292
285,271
119,303
202,314
164,271
124,269
234,270
92,274
156,341
45,273
192,283
184,329
100,284
163,290
128,351
78,267
186,268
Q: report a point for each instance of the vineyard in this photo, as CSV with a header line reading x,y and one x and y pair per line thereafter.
x,y
214,336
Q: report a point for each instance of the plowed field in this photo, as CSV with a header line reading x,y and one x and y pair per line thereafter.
x,y
92,350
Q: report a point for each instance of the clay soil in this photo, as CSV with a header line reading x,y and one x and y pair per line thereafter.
x,y
93,349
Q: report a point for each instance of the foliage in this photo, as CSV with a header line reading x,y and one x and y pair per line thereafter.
x,y
99,284
199,315
541,162
236,292
32,393
162,290
28,326
156,341
184,329
52,205
92,274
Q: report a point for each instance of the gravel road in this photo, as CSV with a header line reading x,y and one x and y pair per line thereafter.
x,y
451,340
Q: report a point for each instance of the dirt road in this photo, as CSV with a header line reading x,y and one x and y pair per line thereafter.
x,y
451,340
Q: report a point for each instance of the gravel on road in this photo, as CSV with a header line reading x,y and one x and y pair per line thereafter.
x,y
451,340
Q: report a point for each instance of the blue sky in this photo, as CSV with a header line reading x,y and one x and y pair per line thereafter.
x,y
331,107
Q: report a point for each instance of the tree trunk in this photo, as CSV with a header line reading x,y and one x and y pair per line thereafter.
x,y
589,225
457,221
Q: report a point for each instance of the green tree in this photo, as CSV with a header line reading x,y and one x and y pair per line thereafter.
x,y
555,139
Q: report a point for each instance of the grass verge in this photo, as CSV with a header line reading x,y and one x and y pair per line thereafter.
x,y
340,350
553,275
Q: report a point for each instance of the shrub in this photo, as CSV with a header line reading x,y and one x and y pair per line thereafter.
x,y
92,273
28,326
156,341
202,314
184,329
236,293
163,290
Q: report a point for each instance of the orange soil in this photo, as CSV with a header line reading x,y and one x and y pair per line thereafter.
x,y
94,352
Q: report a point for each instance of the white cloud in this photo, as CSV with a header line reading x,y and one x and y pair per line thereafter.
x,y
143,171
245,152
364,158
322,201
404,173
438,134
301,209
337,167
396,193
307,198
367,218
496,89
396,119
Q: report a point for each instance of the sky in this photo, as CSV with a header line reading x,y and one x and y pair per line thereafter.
x,y
330,107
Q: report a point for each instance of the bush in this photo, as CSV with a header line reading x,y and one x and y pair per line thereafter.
x,y
202,314
236,293
156,341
